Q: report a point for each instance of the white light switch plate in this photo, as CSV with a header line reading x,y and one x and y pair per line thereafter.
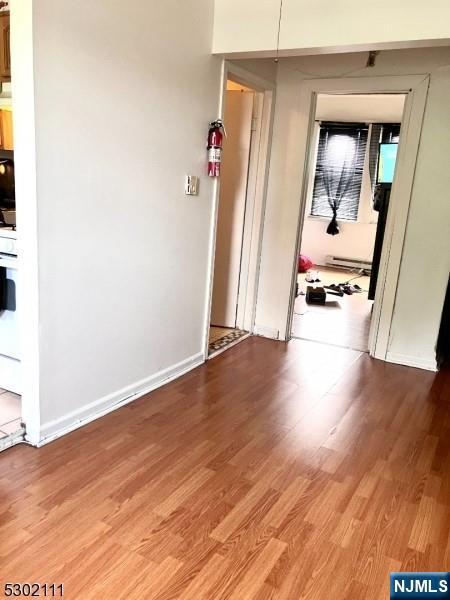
x,y
191,185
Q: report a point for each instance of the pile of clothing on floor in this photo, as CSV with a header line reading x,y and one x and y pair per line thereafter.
x,y
317,294
337,289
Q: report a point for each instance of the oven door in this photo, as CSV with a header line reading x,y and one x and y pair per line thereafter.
x,y
9,326
10,366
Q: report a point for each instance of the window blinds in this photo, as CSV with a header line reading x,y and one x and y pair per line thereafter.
x,y
339,170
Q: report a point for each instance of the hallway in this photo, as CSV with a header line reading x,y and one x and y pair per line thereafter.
x,y
273,471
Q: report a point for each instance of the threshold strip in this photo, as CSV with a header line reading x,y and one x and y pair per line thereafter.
x,y
297,337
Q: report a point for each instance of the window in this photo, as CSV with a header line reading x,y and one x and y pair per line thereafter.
x,y
339,170
381,132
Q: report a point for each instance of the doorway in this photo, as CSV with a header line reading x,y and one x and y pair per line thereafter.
x,y
238,118
352,158
247,116
11,410
287,199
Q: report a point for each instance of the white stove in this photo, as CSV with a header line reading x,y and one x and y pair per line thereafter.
x,y
8,242
10,375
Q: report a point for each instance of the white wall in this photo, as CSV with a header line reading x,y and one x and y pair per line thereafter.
x,y
249,26
123,100
356,238
426,255
360,108
265,68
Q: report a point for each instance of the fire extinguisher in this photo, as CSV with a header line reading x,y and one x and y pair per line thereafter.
x,y
215,144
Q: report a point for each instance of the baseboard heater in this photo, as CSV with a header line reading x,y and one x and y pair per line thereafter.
x,y
348,263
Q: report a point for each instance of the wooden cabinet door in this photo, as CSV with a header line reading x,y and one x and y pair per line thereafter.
x,y
6,130
5,53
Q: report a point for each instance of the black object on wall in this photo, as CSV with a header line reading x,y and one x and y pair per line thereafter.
x,y
443,343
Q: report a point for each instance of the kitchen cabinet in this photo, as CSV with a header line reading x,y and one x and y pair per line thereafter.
x,y
5,54
6,130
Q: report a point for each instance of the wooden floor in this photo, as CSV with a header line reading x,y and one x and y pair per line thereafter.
x,y
275,471
342,321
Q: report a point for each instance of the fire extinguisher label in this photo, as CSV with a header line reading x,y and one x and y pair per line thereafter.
x,y
214,155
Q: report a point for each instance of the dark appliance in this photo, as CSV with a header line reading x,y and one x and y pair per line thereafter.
x,y
443,343
7,183
381,199
385,169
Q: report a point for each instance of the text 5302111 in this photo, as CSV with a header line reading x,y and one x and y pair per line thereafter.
x,y
34,590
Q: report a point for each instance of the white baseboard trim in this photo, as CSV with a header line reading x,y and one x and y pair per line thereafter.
x,y
267,332
429,364
86,414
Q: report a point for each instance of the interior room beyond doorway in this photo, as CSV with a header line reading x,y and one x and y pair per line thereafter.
x,y
352,163
342,321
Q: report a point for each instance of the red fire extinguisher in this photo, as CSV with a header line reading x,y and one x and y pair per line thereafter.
x,y
215,144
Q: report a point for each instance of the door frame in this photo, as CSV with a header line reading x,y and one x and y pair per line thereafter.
x,y
255,200
23,102
415,88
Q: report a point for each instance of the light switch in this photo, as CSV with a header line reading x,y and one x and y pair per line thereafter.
x,y
191,185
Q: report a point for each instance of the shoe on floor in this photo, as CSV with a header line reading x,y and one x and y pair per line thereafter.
x,y
312,277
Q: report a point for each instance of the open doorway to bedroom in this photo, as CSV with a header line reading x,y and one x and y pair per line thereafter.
x,y
352,155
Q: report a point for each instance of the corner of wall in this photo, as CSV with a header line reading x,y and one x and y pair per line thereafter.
x,y
52,430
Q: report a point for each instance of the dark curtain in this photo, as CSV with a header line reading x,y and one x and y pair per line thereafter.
x,y
342,165
337,180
